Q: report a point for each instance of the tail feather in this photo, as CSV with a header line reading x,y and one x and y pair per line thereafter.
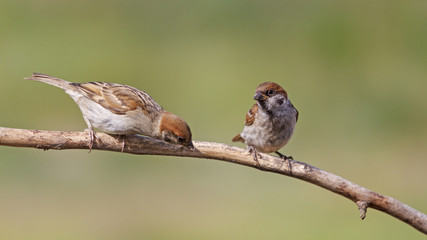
x,y
238,138
50,80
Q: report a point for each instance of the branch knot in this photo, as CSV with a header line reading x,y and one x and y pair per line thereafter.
x,y
363,207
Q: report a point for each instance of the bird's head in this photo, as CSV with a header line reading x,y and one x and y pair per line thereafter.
x,y
174,129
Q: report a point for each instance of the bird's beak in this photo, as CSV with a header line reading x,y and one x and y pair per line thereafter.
x,y
191,146
260,96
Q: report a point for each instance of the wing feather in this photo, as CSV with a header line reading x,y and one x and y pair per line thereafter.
x,y
250,116
117,98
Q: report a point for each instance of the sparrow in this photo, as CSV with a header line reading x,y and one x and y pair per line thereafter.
x,y
270,122
122,110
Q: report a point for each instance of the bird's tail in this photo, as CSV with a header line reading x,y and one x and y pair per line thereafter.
x,y
238,138
50,80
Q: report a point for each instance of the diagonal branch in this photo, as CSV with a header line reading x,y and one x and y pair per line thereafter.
x,y
363,197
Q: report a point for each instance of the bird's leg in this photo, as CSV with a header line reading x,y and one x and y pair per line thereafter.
x,y
92,135
255,155
123,137
286,158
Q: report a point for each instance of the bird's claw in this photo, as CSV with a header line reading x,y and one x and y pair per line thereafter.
x,y
123,137
255,155
288,159
92,137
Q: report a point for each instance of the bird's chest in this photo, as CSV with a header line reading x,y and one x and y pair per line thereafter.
x,y
273,127
269,132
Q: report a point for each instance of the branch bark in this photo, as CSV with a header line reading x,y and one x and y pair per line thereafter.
x,y
364,198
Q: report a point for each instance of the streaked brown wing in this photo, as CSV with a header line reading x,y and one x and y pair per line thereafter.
x,y
117,98
250,116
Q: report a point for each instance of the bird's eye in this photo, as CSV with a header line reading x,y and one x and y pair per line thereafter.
x,y
270,92
181,139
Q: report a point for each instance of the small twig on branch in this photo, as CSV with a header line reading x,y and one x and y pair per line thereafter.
x,y
363,197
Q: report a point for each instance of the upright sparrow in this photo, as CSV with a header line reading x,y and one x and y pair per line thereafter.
x,y
270,122
123,110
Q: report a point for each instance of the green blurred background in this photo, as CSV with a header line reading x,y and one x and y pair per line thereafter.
x,y
356,71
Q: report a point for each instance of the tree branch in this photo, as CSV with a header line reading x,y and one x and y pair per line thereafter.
x,y
363,197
